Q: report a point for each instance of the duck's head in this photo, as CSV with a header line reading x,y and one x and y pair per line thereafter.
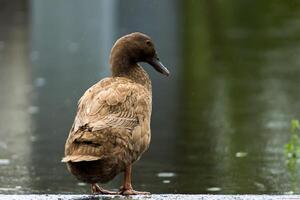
x,y
133,48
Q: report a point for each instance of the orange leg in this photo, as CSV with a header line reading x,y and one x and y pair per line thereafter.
x,y
127,189
96,189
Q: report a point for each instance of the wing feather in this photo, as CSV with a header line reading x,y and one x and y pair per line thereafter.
x,y
111,103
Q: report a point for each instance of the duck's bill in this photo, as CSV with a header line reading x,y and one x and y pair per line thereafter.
x,y
158,66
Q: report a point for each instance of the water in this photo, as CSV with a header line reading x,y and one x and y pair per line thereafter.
x,y
219,122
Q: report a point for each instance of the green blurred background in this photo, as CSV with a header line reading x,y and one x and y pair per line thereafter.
x,y
219,122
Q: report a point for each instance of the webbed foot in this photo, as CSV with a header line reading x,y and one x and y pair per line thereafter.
x,y
96,189
131,191
134,192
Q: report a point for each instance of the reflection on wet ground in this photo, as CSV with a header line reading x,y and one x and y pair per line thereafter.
x,y
219,122
151,197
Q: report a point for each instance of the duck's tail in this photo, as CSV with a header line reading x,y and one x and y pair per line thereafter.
x,y
79,158
86,146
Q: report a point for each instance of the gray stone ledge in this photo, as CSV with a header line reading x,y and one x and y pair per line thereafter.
x,y
150,197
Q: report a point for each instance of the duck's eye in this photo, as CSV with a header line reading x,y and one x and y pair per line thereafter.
x,y
148,42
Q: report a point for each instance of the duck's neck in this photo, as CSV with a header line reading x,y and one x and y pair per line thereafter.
x,y
133,71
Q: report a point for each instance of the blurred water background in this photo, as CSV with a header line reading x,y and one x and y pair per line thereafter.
x,y
219,122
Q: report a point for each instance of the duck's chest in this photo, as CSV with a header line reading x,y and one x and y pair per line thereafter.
x,y
140,139
140,136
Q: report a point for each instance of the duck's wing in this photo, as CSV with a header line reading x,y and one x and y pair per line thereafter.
x,y
112,103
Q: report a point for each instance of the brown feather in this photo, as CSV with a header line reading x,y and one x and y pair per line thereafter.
x,y
110,123
111,129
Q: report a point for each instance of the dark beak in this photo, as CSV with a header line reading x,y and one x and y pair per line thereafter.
x,y
158,66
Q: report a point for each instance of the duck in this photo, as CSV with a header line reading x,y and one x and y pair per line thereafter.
x,y
111,129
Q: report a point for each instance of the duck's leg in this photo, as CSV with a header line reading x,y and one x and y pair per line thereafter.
x,y
96,189
127,189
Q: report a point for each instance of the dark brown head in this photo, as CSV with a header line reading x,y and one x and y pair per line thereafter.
x,y
133,48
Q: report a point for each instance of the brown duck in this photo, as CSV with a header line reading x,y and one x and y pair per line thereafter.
x,y
112,127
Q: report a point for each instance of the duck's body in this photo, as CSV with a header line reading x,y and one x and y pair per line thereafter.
x,y
112,127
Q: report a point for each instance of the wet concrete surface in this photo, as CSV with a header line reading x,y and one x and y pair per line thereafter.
x,y
150,197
